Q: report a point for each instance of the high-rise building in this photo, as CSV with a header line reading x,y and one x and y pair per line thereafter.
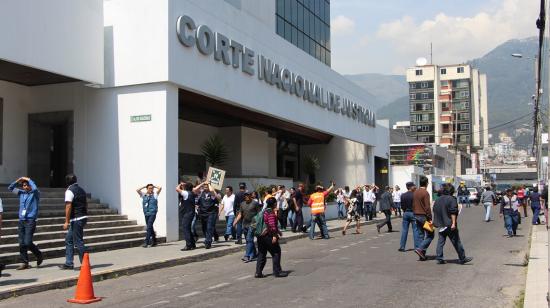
x,y
448,105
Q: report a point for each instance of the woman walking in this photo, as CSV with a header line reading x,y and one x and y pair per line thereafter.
x,y
353,215
535,205
268,241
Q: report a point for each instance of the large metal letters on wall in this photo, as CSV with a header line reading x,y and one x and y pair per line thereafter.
x,y
231,52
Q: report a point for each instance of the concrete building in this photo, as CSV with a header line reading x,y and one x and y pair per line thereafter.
x,y
448,105
124,93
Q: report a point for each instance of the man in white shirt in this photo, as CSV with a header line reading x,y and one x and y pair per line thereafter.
x,y
227,205
397,199
369,197
282,196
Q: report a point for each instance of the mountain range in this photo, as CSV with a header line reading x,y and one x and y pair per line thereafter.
x,y
510,85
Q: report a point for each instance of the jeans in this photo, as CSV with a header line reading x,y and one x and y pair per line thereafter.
x,y
208,223
26,230
535,207
187,221
424,237
291,217
386,221
250,247
455,240
464,200
194,226
408,219
265,245
511,221
370,210
298,221
488,206
229,225
150,236
283,218
360,209
397,207
239,231
320,220
75,237
341,210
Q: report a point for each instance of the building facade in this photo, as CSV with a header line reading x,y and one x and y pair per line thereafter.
x,y
125,93
448,105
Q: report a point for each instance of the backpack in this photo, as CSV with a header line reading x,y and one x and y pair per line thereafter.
x,y
261,227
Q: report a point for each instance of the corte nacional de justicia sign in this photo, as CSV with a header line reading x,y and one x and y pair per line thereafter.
x,y
231,52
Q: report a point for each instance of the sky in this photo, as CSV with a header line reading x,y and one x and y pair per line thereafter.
x,y
387,36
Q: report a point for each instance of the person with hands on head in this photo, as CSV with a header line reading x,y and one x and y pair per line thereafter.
x,y
208,210
76,216
150,209
317,203
29,203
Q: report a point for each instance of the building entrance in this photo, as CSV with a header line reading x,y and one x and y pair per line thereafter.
x,y
50,147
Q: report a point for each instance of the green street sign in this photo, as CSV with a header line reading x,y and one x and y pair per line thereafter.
x,y
140,118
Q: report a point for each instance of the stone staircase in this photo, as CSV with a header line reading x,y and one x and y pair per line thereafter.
x,y
105,230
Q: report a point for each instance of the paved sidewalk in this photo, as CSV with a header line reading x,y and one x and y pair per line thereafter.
x,y
112,264
536,287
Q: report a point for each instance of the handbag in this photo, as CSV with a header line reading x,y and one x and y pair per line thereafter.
x,y
428,226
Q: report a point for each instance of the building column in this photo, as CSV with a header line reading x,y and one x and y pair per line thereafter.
x,y
148,150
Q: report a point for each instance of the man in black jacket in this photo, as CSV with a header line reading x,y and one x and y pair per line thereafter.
x,y
386,204
445,214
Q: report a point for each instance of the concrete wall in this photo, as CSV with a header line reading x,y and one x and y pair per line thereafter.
x,y
58,36
192,135
255,152
484,118
400,175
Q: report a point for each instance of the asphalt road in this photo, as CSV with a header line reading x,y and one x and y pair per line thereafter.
x,y
363,270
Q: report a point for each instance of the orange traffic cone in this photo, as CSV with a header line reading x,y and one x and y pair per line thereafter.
x,y
84,289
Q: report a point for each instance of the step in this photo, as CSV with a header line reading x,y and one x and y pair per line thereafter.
x,y
55,235
61,220
10,258
89,226
61,213
61,200
48,207
87,239
43,194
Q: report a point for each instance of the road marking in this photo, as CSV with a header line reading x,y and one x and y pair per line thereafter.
x,y
373,247
344,247
353,244
157,303
361,242
190,294
218,286
335,249
244,277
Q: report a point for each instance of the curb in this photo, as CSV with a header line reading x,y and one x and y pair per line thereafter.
x,y
131,270
536,284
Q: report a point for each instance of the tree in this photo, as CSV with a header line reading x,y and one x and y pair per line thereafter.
x,y
214,151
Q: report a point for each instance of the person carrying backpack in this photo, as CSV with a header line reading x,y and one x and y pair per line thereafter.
x,y
268,235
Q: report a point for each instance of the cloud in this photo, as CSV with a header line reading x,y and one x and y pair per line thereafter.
x,y
342,25
457,39
364,41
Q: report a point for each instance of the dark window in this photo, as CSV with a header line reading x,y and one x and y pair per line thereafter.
x,y
460,70
287,9
300,17
443,71
288,32
294,13
294,36
418,72
280,7
280,26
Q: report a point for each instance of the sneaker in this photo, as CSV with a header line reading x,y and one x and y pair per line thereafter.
x,y
280,275
207,246
441,262
66,267
144,245
245,259
39,260
2,267
420,254
23,266
226,237
260,275
343,232
378,229
466,260
187,248
401,249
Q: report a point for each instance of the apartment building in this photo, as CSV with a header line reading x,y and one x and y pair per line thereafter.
x,y
448,105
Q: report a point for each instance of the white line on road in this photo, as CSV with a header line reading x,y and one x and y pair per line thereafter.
x,y
344,247
373,247
218,286
157,303
244,277
335,249
190,294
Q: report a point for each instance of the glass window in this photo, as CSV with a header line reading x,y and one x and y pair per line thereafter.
x,y
294,12
294,36
418,72
280,26
424,85
288,32
412,96
300,40
280,7
322,9
443,71
460,69
306,21
317,51
327,12
311,25
311,47
425,95
444,83
300,17
328,59
287,9
413,85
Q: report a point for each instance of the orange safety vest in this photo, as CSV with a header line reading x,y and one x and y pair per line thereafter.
x,y
318,203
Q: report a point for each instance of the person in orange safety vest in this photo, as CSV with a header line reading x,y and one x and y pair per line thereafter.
x,y
317,203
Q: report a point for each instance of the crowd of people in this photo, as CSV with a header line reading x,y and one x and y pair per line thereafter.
x,y
260,219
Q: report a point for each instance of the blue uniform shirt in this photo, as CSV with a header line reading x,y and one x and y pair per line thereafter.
x,y
28,200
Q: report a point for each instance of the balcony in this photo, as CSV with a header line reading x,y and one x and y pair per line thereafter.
x,y
445,97
446,90
445,119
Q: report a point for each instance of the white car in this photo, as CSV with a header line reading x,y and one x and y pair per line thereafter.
x,y
474,195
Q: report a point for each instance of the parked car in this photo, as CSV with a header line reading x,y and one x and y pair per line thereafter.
x,y
474,195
